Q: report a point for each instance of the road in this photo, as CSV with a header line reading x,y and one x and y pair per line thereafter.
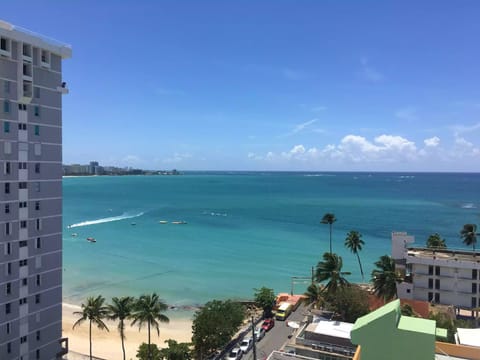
x,y
276,337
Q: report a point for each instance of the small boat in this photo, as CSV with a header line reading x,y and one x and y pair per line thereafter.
x,y
179,222
74,234
163,222
133,224
91,239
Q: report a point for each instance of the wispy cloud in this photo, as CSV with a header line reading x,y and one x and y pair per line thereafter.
x,y
408,113
461,129
299,128
369,73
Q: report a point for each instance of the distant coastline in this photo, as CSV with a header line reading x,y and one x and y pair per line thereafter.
x,y
95,169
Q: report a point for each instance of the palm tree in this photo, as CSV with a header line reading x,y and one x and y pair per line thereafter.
x,y
435,241
314,296
121,309
329,219
94,311
148,310
469,235
354,242
331,269
385,278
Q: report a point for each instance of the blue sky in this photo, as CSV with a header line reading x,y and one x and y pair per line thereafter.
x,y
267,85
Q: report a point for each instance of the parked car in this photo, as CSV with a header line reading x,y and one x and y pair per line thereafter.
x,y
234,354
246,344
268,324
259,333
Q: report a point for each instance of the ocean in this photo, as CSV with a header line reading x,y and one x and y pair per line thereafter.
x,y
244,230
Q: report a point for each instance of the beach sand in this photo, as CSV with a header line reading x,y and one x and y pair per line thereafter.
x,y
107,345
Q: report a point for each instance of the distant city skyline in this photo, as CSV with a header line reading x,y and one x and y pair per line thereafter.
x,y
304,85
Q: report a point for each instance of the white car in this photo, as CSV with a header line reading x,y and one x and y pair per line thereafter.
x,y
234,354
259,333
246,344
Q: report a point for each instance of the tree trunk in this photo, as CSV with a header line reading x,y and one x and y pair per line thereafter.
x,y
122,335
90,337
330,239
361,269
149,350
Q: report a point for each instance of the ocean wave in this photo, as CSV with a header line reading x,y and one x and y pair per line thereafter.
x,y
319,175
105,220
469,206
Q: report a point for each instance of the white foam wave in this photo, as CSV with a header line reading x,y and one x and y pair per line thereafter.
x,y
105,220
469,206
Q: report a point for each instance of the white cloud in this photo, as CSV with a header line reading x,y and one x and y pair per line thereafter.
x,y
368,73
432,142
300,127
297,149
408,113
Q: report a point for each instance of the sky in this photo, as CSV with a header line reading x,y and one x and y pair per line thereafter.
x,y
267,85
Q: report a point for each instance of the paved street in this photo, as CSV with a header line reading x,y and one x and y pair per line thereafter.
x,y
276,337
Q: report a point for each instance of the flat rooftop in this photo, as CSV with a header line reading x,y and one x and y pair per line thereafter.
x,y
332,328
444,254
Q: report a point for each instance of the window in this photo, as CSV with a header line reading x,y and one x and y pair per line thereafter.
x,y
37,299
38,282
8,308
408,291
8,288
23,340
22,107
7,208
7,188
9,269
38,242
37,186
7,147
437,298
23,224
8,229
37,205
474,288
7,168
474,302
37,168
22,185
22,126
430,296
4,45
22,262
437,270
8,248
437,284
9,348
45,56
6,106
37,130
22,165
36,92
22,204
38,335
22,301
36,110
6,86
8,328
474,274
37,354
6,126
23,243
24,282
38,225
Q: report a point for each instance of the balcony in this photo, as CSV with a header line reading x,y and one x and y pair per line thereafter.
x,y
63,88
64,348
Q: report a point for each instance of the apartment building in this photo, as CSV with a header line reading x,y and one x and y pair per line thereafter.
x,y
31,89
442,276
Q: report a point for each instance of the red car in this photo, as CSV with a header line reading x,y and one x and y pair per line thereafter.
x,y
268,324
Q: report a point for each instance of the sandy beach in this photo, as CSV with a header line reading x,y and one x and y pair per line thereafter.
x,y
107,345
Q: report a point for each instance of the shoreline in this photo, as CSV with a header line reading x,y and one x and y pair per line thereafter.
x,y
108,345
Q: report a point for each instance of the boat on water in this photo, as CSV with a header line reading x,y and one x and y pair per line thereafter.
x,y
91,239
74,234
163,222
133,223
179,222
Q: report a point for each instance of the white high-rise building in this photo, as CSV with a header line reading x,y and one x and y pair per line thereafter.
x,y
31,88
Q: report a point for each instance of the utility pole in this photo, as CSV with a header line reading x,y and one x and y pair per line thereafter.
x,y
254,341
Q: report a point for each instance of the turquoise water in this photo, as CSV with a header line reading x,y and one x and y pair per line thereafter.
x,y
245,230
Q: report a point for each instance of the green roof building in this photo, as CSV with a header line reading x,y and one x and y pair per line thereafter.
x,y
386,334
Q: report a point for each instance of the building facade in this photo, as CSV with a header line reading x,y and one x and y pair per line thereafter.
x,y
441,276
31,88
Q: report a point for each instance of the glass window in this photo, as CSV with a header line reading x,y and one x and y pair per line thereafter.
x,y
8,289
37,110
37,168
38,243
37,129
37,299
6,106
7,208
7,188
36,92
8,308
6,86
6,126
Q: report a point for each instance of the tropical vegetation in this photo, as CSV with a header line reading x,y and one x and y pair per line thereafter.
x,y
469,235
329,219
175,351
265,299
148,352
330,270
349,303
121,309
435,241
354,243
385,278
95,311
314,296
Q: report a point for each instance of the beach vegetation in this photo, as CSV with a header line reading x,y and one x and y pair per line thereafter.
x,y
175,351
148,310
330,271
385,278
446,320
349,303
214,326
121,309
329,219
265,299
314,296
354,243
407,310
435,241
469,235
148,352
95,311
